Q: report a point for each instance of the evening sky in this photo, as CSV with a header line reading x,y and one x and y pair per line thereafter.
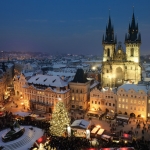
x,y
68,26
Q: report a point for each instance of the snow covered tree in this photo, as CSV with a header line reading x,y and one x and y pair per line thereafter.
x,y
60,120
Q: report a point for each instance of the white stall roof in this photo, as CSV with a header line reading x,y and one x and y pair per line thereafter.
x,y
22,114
80,124
100,132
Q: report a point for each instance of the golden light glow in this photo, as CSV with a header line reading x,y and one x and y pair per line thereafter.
x,y
98,126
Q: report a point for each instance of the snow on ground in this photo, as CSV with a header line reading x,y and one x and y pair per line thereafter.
x,y
25,141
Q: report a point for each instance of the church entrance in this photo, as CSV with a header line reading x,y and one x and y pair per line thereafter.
x,y
119,76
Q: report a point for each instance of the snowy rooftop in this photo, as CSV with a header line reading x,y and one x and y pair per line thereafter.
x,y
66,74
59,66
135,87
48,80
80,124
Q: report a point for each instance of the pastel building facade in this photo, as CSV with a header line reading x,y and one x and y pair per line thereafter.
x,y
103,99
133,100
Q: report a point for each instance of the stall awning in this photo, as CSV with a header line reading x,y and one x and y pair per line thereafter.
x,y
80,124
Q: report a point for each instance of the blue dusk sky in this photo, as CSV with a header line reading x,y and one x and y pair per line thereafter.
x,y
69,26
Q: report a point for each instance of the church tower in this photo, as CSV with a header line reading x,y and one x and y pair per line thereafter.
x,y
109,42
133,42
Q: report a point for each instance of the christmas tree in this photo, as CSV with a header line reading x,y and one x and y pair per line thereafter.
x,y
60,120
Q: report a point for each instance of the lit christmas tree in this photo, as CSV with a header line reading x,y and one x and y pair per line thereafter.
x,y
60,120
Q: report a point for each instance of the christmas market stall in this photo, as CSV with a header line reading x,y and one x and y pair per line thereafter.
x,y
80,127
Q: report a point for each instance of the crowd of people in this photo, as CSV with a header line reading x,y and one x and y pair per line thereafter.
x,y
68,143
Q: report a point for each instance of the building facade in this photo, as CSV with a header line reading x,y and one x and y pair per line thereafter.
x,y
41,92
3,85
103,99
133,100
119,66
80,91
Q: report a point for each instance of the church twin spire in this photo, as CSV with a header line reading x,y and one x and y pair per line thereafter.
x,y
133,35
109,35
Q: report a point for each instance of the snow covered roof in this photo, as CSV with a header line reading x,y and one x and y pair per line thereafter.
x,y
135,87
94,84
48,80
66,74
59,66
22,114
80,124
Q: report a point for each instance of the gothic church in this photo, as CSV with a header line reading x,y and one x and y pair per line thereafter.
x,y
119,66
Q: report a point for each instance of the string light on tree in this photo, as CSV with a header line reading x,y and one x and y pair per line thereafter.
x,y
60,120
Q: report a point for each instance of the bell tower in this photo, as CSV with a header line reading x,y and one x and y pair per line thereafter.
x,y
133,42
109,42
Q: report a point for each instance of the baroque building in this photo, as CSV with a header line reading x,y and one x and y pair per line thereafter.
x,y
103,99
119,66
41,92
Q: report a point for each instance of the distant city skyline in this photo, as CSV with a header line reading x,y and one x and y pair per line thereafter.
x,y
66,26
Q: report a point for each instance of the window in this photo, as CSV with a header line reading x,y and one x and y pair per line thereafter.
x,y
148,101
80,107
109,104
119,105
126,100
92,102
95,102
123,100
119,99
131,101
134,101
126,107
113,105
122,106
131,107
106,103
99,103
139,102
142,109
73,106
134,108
132,52
139,109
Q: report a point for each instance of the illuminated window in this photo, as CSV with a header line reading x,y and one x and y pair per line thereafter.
x,y
131,101
148,114
139,102
148,101
122,106
126,100
119,99
119,105
134,101
72,97
122,100
142,102
126,107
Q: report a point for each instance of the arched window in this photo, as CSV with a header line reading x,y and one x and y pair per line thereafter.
x,y
132,51
108,52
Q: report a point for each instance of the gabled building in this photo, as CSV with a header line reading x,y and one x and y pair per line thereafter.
x,y
80,91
